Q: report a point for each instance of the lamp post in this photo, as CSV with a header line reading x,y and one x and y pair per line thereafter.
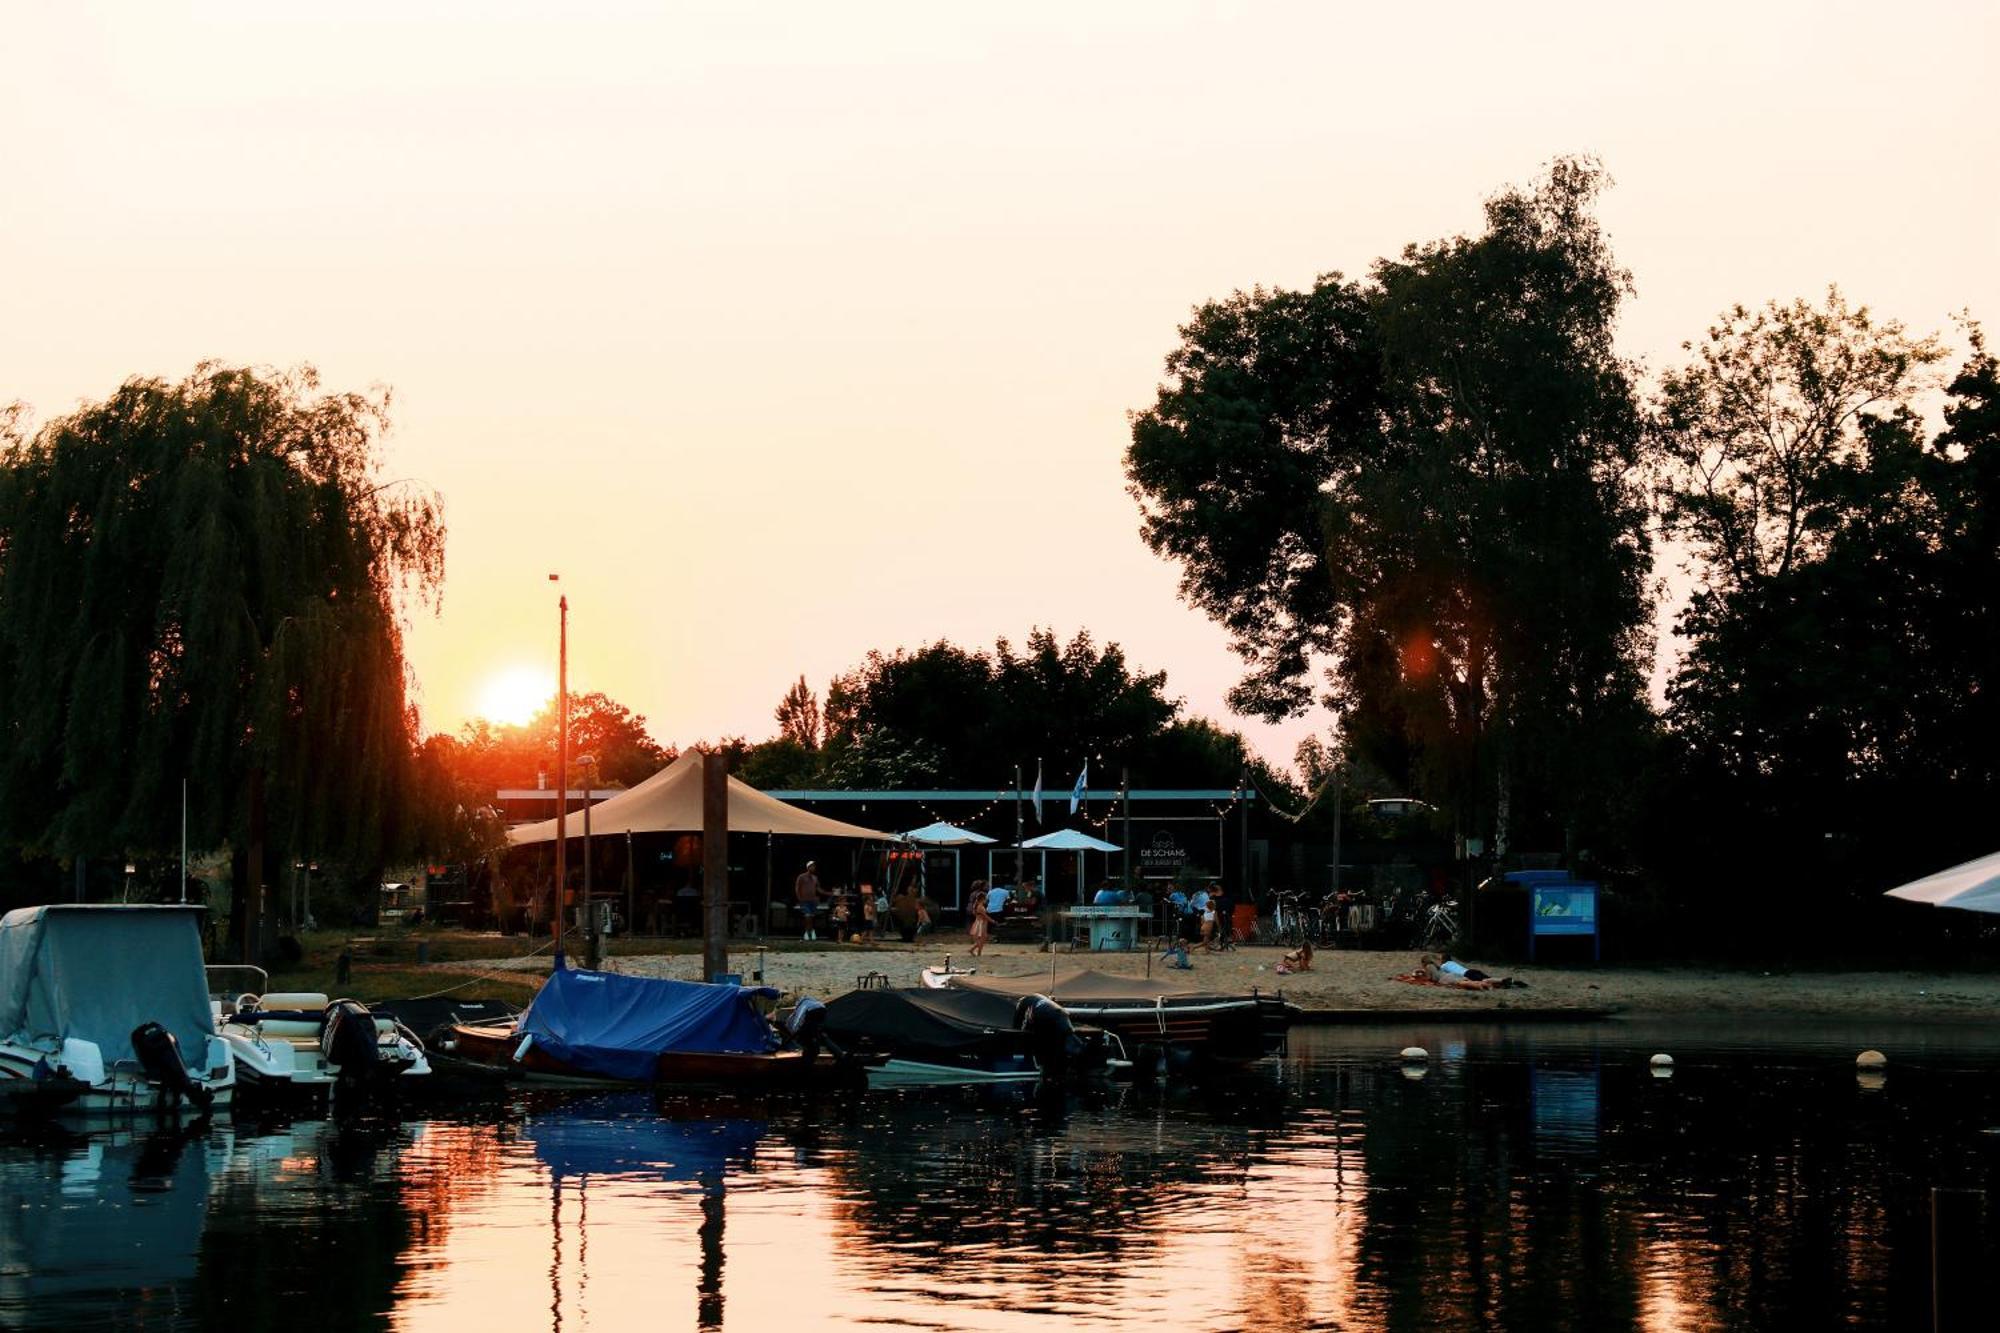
x,y
593,936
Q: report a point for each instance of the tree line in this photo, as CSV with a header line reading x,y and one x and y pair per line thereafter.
x,y
1436,501
1433,500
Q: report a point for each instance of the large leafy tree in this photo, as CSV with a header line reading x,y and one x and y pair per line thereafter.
x,y
1761,434
1838,684
201,580
1425,483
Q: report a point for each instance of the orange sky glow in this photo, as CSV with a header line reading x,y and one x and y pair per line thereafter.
x,y
788,332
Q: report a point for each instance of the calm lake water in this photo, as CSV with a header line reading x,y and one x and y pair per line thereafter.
x,y
1533,1178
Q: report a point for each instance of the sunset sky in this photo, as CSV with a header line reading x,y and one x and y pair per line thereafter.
x,y
787,332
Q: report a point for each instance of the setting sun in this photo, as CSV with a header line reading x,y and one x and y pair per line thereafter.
x,y
513,695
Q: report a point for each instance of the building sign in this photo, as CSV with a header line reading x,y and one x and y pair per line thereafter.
x,y
1162,852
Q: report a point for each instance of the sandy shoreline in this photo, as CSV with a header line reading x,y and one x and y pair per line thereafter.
x,y
1361,980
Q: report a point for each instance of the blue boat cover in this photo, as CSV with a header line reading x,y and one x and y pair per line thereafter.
x,y
615,1026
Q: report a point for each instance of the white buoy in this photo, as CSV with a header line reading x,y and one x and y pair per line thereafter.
x,y
1871,1060
1416,1054
1662,1061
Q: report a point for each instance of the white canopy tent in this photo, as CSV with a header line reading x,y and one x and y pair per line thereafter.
x,y
1974,886
942,834
1069,840
670,802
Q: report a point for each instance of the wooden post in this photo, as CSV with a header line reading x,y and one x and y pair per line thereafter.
x,y
714,866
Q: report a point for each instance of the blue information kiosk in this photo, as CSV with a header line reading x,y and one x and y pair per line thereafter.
x,y
1559,905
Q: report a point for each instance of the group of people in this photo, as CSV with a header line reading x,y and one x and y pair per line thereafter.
x,y
1203,916
991,903
860,919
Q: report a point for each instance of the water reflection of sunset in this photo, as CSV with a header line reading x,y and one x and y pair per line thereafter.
x,y
1527,1182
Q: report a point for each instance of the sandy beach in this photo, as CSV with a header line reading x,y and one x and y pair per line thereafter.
x,y
1362,980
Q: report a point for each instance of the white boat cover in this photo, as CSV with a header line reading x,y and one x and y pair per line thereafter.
x,y
670,802
95,972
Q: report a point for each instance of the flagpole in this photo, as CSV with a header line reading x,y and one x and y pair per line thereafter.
x,y
1019,863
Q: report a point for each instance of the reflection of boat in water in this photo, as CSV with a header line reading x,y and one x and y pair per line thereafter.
x,y
602,1029
104,1008
1148,1012
92,1219
932,1036
298,1041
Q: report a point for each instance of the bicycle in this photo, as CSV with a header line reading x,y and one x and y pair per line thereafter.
x,y
1440,924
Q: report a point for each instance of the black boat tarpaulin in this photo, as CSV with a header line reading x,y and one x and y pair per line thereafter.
x,y
938,1020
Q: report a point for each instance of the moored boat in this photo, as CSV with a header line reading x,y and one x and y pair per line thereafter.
x,y
935,1036
301,1042
104,1009
603,1029
1180,1021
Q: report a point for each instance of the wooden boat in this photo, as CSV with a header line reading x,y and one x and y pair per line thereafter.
x,y
505,1047
1152,1012
603,1029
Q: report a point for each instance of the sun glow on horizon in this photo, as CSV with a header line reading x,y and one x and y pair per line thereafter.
x,y
513,695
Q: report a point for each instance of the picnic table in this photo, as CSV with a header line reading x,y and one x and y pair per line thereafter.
x,y
1107,928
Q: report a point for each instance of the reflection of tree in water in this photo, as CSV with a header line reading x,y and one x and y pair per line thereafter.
x,y
1028,1190
1734,1193
1778,1197
314,1223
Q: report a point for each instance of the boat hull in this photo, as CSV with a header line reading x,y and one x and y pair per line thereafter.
x,y
495,1047
120,1093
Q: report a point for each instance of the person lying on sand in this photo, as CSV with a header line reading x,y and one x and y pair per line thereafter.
x,y
1441,969
1298,960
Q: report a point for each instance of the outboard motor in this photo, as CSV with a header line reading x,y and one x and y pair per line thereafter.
x,y
347,1039
1051,1036
160,1056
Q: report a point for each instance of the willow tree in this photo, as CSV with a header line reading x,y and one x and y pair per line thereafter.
x,y
204,581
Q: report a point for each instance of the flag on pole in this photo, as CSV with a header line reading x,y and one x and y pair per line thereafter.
x,y
1038,791
1076,792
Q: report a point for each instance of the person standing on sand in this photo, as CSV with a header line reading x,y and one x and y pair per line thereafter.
x,y
806,889
982,926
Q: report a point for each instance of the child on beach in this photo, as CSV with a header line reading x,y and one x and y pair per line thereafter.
x,y
982,926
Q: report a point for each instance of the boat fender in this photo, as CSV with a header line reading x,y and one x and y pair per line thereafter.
x,y
347,1038
1051,1036
160,1056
